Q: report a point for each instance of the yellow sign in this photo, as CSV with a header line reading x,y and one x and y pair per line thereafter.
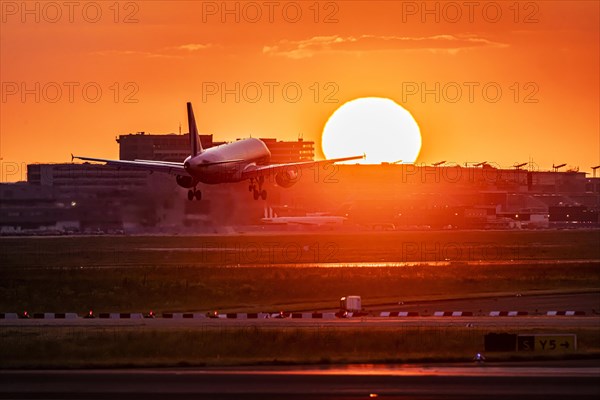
x,y
547,343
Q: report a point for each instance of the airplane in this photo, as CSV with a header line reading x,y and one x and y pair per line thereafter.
x,y
246,159
312,219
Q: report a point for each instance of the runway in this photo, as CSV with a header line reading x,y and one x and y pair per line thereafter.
x,y
468,322
538,380
536,308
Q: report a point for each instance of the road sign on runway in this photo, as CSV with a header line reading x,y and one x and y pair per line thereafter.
x,y
547,342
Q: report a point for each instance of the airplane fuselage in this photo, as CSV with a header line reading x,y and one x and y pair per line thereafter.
x,y
236,157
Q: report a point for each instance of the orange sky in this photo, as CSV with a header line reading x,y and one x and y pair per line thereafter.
x,y
170,51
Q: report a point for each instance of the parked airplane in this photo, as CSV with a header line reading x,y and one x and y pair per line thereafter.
x,y
246,159
314,219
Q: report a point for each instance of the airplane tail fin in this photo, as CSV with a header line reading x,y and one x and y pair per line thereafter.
x,y
195,144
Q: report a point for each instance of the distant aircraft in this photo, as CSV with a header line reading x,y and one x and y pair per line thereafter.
x,y
312,219
245,159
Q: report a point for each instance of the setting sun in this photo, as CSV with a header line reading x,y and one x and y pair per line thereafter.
x,y
377,127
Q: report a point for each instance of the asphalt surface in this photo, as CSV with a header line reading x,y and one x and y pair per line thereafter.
x,y
535,305
542,380
468,322
551,380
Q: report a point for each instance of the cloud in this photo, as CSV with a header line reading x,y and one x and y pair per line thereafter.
x,y
194,46
449,44
166,52
145,54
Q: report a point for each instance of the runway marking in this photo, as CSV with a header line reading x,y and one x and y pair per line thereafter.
x,y
278,315
399,314
453,314
508,313
565,313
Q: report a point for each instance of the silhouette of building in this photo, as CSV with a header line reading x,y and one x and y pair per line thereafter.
x,y
288,152
166,147
176,147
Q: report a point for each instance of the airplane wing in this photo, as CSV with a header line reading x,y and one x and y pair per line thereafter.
x,y
172,168
265,170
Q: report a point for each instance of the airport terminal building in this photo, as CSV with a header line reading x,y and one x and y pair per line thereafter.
x,y
93,198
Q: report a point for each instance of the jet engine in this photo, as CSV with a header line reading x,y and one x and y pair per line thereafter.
x,y
186,181
287,178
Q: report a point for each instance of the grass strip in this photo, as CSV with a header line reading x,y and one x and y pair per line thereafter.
x,y
109,347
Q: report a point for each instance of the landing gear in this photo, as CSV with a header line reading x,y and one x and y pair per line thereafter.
x,y
256,188
194,193
259,194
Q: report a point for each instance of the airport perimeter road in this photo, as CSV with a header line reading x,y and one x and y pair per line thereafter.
x,y
576,380
469,322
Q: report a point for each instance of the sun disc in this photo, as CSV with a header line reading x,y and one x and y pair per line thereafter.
x,y
375,126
